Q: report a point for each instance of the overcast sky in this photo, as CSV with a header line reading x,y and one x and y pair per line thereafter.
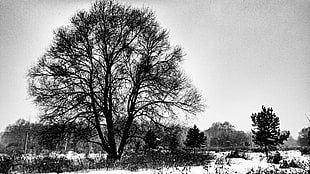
x,y
240,54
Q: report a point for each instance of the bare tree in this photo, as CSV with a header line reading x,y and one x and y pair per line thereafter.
x,y
110,66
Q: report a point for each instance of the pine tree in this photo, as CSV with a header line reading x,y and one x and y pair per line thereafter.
x,y
150,139
194,138
266,132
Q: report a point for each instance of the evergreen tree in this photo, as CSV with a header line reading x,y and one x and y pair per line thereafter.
x,y
172,136
266,132
173,142
194,138
150,139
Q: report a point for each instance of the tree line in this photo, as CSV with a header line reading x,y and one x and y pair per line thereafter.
x,y
25,137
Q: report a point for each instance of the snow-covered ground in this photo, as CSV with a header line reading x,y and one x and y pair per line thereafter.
x,y
255,163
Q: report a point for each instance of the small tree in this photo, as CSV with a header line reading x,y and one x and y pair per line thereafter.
x,y
225,135
171,137
194,138
266,132
150,139
304,137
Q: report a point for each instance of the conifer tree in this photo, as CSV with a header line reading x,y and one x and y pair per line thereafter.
x,y
194,138
150,139
266,132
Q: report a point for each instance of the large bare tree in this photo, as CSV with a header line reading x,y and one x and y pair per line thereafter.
x,y
108,68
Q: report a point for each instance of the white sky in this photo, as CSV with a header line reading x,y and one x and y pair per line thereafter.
x,y
240,54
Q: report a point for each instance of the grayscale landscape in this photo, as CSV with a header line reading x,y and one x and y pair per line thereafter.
x,y
156,87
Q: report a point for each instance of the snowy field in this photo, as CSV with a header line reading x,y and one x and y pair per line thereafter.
x,y
255,163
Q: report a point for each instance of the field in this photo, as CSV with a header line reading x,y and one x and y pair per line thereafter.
x,y
254,163
208,163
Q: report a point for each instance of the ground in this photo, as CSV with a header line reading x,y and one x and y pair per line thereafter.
x,y
255,163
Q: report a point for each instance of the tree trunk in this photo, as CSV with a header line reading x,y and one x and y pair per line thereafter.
x,y
26,143
112,158
266,152
125,136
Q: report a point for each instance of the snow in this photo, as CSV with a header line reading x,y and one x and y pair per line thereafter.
x,y
254,163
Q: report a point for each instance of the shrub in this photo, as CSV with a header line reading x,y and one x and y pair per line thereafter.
x,y
305,150
284,164
237,154
158,159
257,150
292,164
48,164
275,158
6,163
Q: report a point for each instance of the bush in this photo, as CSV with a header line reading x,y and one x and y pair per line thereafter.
x,y
237,154
275,158
257,150
292,164
6,163
158,159
133,162
284,164
58,165
48,164
305,150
